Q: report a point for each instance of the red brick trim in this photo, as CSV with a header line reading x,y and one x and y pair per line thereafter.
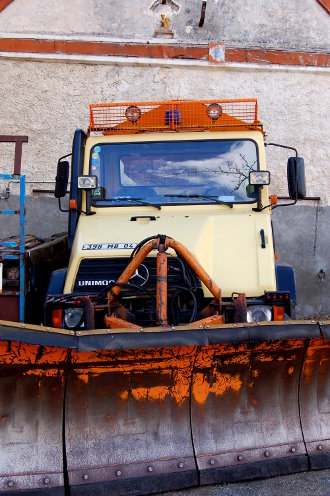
x,y
325,4
104,48
4,4
161,51
277,57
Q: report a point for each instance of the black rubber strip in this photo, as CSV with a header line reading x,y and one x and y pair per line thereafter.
x,y
162,339
141,340
37,337
138,486
325,329
257,470
262,333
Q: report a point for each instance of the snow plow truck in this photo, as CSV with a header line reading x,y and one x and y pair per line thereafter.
x,y
169,354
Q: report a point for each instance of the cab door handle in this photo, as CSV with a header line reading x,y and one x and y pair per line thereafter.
x,y
263,240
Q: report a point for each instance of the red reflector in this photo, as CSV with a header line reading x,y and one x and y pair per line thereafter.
x,y
287,297
281,297
278,313
57,317
72,204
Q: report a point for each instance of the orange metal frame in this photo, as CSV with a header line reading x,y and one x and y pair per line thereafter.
x,y
174,115
113,321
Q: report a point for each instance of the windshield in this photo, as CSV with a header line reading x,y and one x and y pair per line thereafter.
x,y
173,172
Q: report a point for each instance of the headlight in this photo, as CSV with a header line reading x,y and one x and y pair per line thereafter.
x,y
259,313
259,178
73,317
87,182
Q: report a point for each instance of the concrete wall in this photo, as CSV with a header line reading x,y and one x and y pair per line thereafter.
x,y
280,24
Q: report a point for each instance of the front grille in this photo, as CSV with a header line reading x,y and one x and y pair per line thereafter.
x,y
94,274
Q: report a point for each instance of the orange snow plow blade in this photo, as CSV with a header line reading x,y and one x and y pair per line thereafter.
x,y
139,412
32,379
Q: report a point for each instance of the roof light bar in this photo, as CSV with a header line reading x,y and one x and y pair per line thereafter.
x,y
174,115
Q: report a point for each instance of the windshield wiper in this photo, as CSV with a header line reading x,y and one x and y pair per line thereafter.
x,y
136,200
213,198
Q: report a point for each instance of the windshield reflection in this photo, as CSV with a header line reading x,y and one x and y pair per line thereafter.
x,y
174,172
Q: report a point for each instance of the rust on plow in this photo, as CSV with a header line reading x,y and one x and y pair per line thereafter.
x,y
133,413
245,409
315,400
31,399
127,418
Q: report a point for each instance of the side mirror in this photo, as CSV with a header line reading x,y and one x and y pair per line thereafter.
x,y
296,178
62,178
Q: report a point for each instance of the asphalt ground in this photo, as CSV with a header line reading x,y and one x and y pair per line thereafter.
x,y
314,483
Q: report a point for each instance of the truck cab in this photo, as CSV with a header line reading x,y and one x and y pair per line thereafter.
x,y
194,172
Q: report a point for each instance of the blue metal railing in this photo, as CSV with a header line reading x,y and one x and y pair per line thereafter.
x,y
11,245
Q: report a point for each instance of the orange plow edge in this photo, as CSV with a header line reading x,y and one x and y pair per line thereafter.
x,y
139,412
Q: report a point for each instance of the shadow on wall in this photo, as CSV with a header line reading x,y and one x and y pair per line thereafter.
x,y
302,240
42,217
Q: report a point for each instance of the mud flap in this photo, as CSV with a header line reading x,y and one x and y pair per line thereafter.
x,y
31,405
245,415
315,399
128,421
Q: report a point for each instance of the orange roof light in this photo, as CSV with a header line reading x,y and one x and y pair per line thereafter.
x,y
174,115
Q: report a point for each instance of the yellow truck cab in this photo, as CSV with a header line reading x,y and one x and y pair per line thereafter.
x,y
194,172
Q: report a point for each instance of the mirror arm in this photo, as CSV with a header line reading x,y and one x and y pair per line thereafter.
x,y
88,209
88,202
259,204
60,206
65,156
283,146
296,152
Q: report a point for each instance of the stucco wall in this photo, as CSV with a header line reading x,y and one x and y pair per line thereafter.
x,y
48,101
280,24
